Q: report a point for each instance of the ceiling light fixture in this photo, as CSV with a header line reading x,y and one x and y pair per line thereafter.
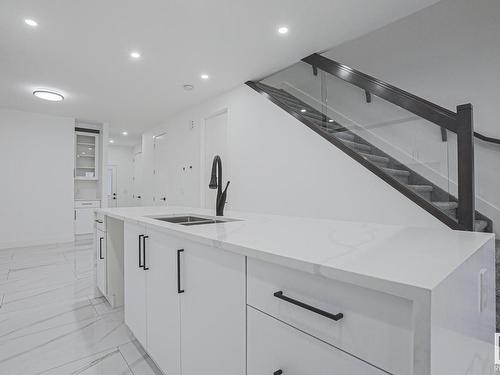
x,y
111,141
283,30
30,22
48,95
188,87
205,76
303,111
124,133
135,55
330,120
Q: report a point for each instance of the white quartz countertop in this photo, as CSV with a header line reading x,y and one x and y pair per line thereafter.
x,y
395,259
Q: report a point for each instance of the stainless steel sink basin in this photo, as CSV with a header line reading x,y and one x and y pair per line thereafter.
x,y
192,220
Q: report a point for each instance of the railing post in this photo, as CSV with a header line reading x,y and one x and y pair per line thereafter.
x,y
465,150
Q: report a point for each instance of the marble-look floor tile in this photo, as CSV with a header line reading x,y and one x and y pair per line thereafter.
x,y
46,349
137,359
22,323
105,363
51,322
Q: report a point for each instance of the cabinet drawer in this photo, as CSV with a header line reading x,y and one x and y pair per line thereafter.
x,y
375,326
275,346
87,204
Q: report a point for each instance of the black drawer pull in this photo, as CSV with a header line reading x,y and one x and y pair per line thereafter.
x,y
278,372
100,248
309,307
144,267
140,250
179,289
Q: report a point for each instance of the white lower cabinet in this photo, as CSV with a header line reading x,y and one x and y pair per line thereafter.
x,y
213,317
135,281
101,256
277,348
185,303
162,301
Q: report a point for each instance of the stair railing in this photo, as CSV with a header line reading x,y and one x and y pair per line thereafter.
x,y
459,122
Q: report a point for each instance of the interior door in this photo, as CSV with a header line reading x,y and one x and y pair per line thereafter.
x,y
215,143
135,281
111,185
137,179
163,302
160,173
213,306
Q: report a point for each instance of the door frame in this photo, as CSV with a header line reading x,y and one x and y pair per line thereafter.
x,y
155,168
115,166
226,163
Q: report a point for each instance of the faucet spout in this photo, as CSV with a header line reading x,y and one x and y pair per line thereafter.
x,y
216,183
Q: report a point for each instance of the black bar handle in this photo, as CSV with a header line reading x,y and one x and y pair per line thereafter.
x,y
278,372
144,253
140,250
100,248
326,314
179,290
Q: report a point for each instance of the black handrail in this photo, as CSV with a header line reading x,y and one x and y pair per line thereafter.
x,y
459,122
421,107
486,139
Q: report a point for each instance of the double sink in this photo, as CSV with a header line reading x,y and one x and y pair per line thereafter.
x,y
188,220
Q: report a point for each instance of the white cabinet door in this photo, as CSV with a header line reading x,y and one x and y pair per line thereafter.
x,y
135,281
213,313
277,348
101,256
84,220
163,315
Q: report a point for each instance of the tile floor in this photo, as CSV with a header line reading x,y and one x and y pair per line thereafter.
x,y
50,322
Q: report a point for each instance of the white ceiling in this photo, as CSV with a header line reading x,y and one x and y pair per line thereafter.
x,y
81,47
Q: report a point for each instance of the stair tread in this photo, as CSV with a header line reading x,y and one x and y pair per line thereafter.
x,y
422,187
397,172
376,158
446,205
343,135
356,145
480,225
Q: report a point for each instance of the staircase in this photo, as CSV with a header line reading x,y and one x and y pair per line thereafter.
x,y
425,193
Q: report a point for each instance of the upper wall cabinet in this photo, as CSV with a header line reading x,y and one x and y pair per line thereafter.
x,y
86,156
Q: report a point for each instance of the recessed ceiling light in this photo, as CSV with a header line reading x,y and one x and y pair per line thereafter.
x,y
30,22
84,153
48,95
111,141
283,30
303,110
330,120
205,76
135,55
124,133
90,148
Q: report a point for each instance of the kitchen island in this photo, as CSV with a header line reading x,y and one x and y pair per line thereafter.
x,y
262,294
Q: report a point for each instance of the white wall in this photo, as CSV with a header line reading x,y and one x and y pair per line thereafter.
x,y
277,165
36,193
122,157
447,53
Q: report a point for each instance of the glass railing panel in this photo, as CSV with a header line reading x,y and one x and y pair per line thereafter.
x,y
408,148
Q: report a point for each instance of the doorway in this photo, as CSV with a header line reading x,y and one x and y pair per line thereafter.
x,y
214,143
160,171
111,185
